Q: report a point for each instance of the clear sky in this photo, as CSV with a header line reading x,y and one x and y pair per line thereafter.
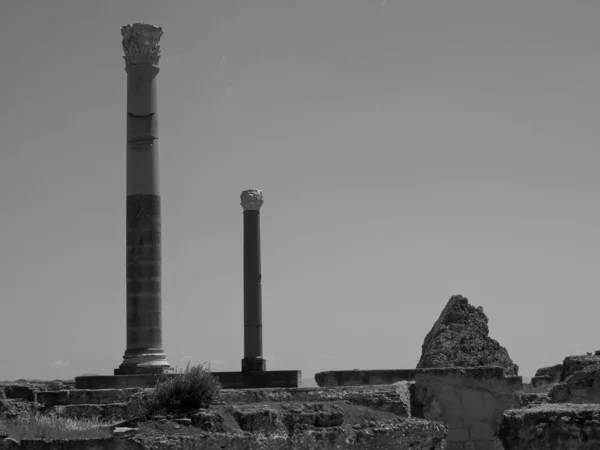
x,y
408,150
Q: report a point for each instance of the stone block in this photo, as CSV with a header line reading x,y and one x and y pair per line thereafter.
x,y
100,396
19,392
363,377
481,432
253,380
115,381
460,435
53,398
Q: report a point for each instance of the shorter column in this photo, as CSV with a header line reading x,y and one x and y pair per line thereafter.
x,y
252,200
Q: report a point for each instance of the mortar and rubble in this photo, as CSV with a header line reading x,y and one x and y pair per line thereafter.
x,y
464,394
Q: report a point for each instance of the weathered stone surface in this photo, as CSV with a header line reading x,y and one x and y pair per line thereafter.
x,y
72,444
469,401
39,385
85,396
541,381
531,399
334,378
575,363
551,371
208,421
564,426
19,392
392,398
580,387
17,408
460,338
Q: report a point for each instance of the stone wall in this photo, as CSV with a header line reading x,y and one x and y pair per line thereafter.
x,y
580,387
470,401
333,378
565,426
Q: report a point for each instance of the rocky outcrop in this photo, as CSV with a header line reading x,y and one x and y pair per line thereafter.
x,y
564,426
572,364
460,338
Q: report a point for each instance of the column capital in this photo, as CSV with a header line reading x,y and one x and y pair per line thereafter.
x,y
140,44
252,199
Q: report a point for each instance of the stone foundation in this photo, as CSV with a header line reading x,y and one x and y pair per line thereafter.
x,y
229,380
564,426
267,379
363,377
470,401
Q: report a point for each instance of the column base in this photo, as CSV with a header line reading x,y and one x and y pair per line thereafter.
x,y
145,361
255,364
260,380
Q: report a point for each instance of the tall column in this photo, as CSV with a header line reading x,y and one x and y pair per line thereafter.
x,y
144,353
252,200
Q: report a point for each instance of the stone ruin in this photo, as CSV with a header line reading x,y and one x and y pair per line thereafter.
x,y
464,394
467,380
460,338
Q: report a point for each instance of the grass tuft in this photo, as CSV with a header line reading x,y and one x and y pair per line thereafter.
x,y
55,427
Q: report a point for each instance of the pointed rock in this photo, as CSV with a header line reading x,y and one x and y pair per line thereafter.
x,y
460,338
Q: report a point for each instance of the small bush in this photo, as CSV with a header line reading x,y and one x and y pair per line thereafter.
x,y
55,427
185,390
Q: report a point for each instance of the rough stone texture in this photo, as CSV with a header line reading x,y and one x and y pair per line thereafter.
x,y
39,385
393,398
17,408
302,418
19,392
541,381
572,364
470,401
552,371
531,399
85,396
71,444
582,386
565,426
362,377
460,338
407,434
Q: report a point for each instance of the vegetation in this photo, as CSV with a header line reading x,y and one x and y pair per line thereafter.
x,y
55,427
185,390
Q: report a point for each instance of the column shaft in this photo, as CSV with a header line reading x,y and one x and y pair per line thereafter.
x,y
253,348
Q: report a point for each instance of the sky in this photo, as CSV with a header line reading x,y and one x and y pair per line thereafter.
x,y
408,150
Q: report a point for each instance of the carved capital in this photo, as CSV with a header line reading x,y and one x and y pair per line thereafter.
x,y
252,199
140,43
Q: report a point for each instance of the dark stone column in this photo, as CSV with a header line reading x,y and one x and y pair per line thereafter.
x,y
144,353
252,200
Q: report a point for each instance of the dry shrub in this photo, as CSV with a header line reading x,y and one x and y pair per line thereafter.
x,y
186,390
